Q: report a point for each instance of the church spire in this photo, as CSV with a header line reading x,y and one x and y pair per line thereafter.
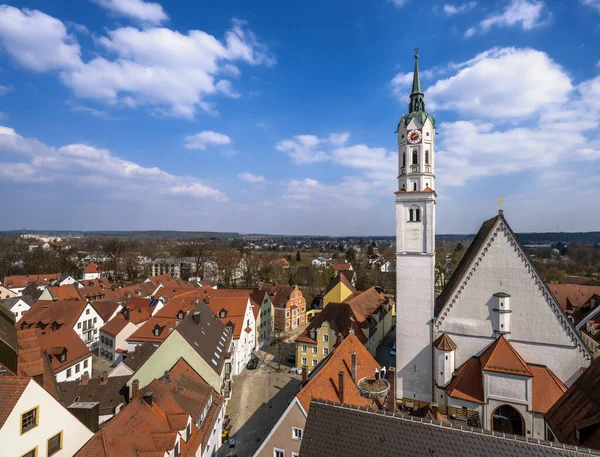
x,y
416,97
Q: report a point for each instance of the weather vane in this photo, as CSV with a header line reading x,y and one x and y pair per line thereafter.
x,y
417,53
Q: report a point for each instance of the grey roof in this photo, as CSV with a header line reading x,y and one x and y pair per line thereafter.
x,y
207,335
109,393
140,355
8,331
10,302
334,430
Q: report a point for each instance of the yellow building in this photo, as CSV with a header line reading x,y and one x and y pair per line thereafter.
x,y
338,290
366,314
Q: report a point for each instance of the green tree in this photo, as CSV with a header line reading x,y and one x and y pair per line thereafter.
x,y
298,257
351,254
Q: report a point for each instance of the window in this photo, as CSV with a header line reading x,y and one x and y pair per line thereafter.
x,y
176,450
414,186
411,215
415,157
87,311
54,444
303,361
295,454
77,368
404,159
278,452
95,320
102,338
315,350
418,214
85,364
296,433
78,324
326,338
68,372
325,351
29,420
304,348
426,157
314,363
32,453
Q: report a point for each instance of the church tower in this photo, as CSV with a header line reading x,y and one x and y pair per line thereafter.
x,y
415,248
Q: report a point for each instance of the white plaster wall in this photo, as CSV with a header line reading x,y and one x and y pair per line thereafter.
x,y
414,311
53,418
90,276
89,313
120,370
61,376
214,442
507,388
536,332
444,366
19,309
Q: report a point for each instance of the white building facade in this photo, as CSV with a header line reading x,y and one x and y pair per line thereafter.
x,y
415,248
88,326
38,425
75,371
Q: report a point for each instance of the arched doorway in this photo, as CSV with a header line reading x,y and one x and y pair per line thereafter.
x,y
507,419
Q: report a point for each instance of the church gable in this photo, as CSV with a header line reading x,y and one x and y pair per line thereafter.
x,y
496,273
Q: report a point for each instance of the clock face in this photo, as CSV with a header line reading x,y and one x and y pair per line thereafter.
x,y
414,136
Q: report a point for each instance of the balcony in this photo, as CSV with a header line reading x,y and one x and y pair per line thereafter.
x,y
226,389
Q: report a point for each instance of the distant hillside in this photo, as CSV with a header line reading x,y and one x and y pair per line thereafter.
x,y
539,238
166,234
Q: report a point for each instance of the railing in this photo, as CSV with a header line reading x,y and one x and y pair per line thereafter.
x,y
469,415
226,389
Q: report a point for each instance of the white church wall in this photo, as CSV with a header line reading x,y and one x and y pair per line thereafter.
x,y
507,388
536,332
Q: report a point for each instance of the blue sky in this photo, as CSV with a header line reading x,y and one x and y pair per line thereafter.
x,y
279,117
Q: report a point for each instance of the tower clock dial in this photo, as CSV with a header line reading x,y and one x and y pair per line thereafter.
x,y
414,136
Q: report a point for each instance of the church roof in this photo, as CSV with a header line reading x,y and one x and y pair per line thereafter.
x,y
465,262
468,382
444,343
501,357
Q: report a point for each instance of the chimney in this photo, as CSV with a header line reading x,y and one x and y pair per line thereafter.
x,y
304,374
104,378
88,414
341,385
126,313
85,377
391,396
196,317
354,367
148,397
135,389
167,376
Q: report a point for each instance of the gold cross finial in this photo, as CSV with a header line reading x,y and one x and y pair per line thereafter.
x,y
416,53
500,201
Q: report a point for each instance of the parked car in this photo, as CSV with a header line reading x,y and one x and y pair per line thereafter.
x,y
291,358
252,364
393,350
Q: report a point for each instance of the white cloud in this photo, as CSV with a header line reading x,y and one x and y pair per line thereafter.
x,y
139,10
253,179
5,89
304,149
169,72
37,41
451,10
205,138
506,83
527,14
89,167
399,3
592,3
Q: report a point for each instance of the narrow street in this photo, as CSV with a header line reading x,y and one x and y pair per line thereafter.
x,y
260,397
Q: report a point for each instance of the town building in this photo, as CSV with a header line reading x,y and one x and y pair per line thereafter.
x,y
178,414
9,348
69,356
34,424
263,315
111,394
367,315
131,362
335,380
18,305
203,341
289,306
91,272
496,324
113,338
575,418
67,292
16,284
6,293
338,289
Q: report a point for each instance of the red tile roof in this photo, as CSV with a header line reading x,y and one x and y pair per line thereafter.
x,y
55,343
11,389
146,332
105,308
46,312
114,326
546,388
501,357
35,362
66,292
44,279
91,268
236,310
323,382
468,382
341,266
444,343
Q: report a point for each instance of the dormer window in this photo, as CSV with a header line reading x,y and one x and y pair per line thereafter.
x,y
156,330
63,357
223,313
180,315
